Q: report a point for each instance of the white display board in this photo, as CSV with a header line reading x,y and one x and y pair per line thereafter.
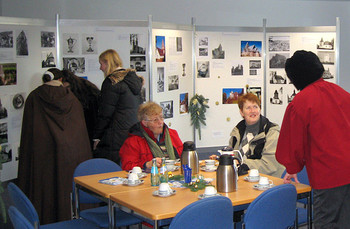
x,y
234,62
27,48
282,45
82,41
172,80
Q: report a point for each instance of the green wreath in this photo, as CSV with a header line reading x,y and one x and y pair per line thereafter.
x,y
198,107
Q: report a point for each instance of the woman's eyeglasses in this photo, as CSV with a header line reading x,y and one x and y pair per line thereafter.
x,y
160,118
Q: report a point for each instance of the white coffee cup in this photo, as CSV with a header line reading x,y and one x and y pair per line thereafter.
x,y
209,164
133,178
210,191
164,189
170,165
136,170
253,174
264,181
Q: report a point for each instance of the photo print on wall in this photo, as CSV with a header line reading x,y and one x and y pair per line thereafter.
x,y
251,48
3,110
8,74
237,68
89,44
160,49
22,44
6,39
74,64
218,53
326,57
70,45
138,63
167,109
277,97
137,44
230,95
48,59
160,80
183,103
202,69
324,44
255,90
278,60
173,82
48,39
277,78
279,43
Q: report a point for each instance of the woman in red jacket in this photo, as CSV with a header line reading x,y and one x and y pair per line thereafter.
x,y
150,138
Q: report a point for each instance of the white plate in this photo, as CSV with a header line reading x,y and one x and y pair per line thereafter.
x,y
156,193
247,178
202,196
136,183
203,168
262,188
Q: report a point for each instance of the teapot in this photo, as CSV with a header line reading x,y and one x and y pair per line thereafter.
x,y
227,174
190,157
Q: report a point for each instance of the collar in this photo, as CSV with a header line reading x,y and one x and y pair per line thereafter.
x,y
55,83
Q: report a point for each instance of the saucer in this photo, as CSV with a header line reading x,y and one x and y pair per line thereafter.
x,y
202,196
203,168
156,193
250,179
175,168
138,182
262,188
141,175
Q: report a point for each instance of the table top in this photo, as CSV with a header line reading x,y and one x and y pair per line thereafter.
x,y
156,208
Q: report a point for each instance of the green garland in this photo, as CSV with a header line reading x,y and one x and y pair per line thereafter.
x,y
198,107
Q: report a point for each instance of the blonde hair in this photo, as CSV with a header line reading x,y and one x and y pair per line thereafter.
x,y
148,109
112,59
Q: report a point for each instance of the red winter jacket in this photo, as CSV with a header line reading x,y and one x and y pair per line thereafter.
x,y
136,152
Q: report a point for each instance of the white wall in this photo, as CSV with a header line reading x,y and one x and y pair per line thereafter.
x,y
279,13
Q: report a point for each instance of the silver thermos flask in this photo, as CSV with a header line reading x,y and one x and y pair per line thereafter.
x,y
189,156
226,174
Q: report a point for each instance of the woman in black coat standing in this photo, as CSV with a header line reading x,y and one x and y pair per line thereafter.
x,y
119,100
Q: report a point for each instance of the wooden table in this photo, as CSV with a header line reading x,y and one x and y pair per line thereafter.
x,y
140,199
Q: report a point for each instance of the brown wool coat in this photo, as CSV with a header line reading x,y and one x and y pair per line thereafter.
x,y
54,141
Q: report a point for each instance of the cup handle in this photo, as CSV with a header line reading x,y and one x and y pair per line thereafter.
x,y
270,182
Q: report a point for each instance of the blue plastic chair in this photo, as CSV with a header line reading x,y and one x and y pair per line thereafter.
x,y
213,212
99,215
18,220
23,204
274,208
302,211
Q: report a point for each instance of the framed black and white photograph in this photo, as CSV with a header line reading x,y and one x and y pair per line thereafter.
x,y
89,44
203,51
70,43
3,110
48,39
48,59
179,44
6,39
218,53
75,64
237,68
254,64
22,44
160,79
253,72
256,91
203,41
3,133
168,109
290,96
5,153
327,74
137,44
278,60
18,101
279,43
138,63
326,44
326,57
278,78
277,97
202,69
173,82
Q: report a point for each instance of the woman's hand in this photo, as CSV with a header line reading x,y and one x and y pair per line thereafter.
x,y
158,162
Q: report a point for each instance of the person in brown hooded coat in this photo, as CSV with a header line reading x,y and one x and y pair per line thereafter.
x,y
54,140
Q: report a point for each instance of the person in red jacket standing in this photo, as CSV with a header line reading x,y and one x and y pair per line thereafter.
x,y
150,138
315,134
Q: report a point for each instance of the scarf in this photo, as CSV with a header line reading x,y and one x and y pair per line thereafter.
x,y
154,147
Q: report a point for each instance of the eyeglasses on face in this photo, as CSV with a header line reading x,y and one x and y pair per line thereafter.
x,y
160,118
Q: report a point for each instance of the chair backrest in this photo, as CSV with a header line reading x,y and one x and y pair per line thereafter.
x,y
90,167
213,212
19,221
302,176
274,208
23,204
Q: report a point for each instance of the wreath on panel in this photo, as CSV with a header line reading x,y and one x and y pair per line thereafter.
x,y
198,107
